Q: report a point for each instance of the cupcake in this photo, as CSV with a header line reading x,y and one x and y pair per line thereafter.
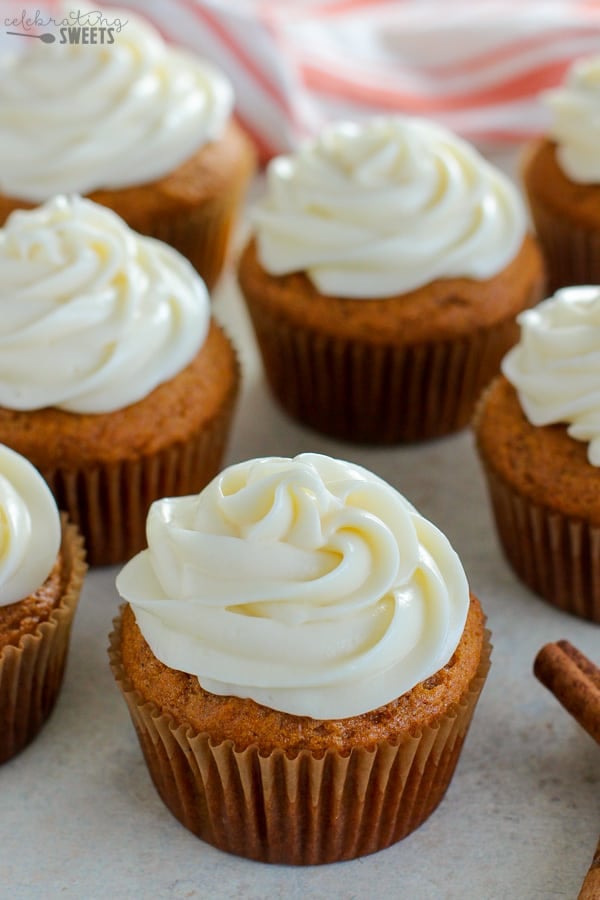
x,y
561,176
132,123
114,381
41,572
384,277
538,436
301,659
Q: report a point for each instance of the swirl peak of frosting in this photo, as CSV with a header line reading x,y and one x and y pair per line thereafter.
x,y
94,316
576,121
309,585
29,528
77,118
554,367
380,208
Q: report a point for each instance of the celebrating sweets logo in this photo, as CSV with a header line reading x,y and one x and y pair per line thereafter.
x,y
75,27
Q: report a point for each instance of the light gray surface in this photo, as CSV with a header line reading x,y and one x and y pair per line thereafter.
x,y
81,820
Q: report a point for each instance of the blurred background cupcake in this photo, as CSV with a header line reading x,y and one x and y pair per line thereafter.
x,y
561,175
387,268
114,379
136,125
299,631
41,573
538,436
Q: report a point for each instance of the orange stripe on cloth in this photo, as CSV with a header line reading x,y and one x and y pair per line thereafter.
x,y
242,56
340,83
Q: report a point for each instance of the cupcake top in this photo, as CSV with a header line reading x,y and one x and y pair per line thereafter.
x,y
92,315
555,367
309,585
29,528
75,118
380,208
576,121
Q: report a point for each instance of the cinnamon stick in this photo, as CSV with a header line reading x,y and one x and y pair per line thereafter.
x,y
590,889
575,682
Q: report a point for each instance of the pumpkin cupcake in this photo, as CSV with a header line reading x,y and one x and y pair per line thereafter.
x,y
132,123
301,660
538,436
114,380
41,572
388,265
561,176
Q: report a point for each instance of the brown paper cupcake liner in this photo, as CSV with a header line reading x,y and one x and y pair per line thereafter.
x,y
109,502
300,810
202,233
381,394
556,556
31,673
571,252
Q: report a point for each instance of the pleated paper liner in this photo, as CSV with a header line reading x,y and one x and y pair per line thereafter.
x,y
202,233
556,556
571,252
31,673
109,502
379,394
307,809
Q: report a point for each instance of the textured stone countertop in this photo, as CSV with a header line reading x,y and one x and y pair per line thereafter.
x,y
80,819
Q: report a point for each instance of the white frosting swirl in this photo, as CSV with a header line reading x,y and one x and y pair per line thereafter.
x,y
74,118
380,208
93,316
29,528
308,584
556,364
576,125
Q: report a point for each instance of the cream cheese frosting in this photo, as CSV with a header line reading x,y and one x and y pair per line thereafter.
x,y
75,118
309,585
376,209
29,528
555,367
93,316
576,121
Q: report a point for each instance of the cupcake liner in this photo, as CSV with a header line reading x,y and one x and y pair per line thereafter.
x,y
109,502
31,673
571,252
381,394
202,203
556,556
201,233
306,809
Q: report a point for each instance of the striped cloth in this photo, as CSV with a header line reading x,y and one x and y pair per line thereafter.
x,y
476,66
